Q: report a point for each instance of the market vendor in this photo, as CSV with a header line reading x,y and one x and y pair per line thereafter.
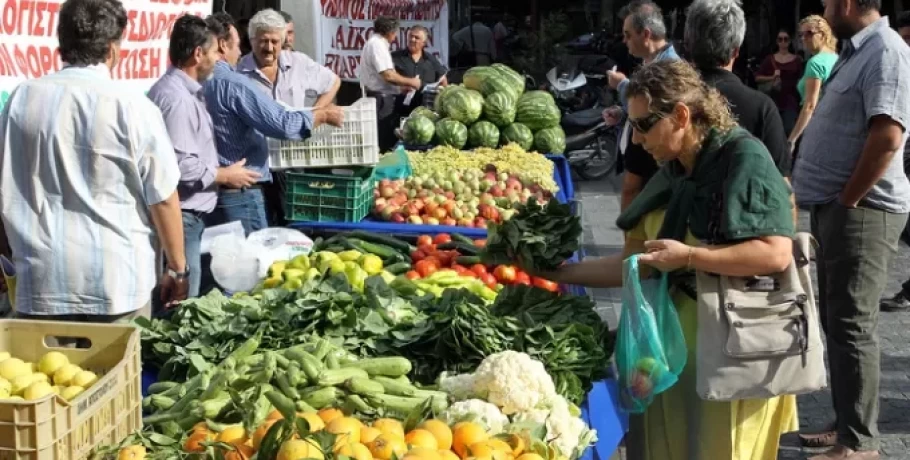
x,y
414,61
381,81
243,115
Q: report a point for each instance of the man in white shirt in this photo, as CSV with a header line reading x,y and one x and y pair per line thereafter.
x,y
474,45
88,180
381,81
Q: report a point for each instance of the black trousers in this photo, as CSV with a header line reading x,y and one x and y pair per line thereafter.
x,y
387,118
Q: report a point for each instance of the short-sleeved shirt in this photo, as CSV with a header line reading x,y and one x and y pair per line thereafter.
x,y
375,59
819,67
82,158
428,68
300,82
787,97
871,78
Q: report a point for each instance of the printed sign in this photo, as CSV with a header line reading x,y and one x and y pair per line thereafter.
x,y
28,40
347,24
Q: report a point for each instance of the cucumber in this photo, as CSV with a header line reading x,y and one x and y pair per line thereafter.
x,y
464,249
386,253
388,366
467,261
399,268
389,241
462,239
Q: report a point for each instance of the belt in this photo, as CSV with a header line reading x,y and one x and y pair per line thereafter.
x,y
241,190
196,213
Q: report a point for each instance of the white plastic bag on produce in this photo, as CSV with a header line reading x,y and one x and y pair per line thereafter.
x,y
235,264
278,244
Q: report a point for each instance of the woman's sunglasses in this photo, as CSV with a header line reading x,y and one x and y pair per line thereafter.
x,y
645,124
783,39
807,34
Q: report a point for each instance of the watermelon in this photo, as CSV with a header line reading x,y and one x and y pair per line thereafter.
x,y
483,134
425,112
515,79
452,133
443,93
418,130
464,106
519,134
498,84
550,140
537,110
475,76
499,108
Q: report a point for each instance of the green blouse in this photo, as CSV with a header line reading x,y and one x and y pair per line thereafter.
x,y
818,67
735,193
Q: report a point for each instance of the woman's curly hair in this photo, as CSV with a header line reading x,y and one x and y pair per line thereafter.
x,y
821,26
669,82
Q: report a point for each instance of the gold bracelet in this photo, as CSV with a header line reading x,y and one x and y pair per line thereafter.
x,y
689,262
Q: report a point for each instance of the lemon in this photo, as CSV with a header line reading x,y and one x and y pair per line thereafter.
x,y
19,384
52,362
4,355
84,379
32,366
65,374
15,398
4,394
58,389
5,386
38,390
70,393
14,367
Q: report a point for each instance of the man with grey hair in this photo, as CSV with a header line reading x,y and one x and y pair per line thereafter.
x,y
415,61
289,38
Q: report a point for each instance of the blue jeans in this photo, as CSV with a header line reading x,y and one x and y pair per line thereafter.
x,y
246,205
193,226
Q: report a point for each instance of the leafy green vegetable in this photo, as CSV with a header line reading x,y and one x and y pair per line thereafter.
x,y
540,237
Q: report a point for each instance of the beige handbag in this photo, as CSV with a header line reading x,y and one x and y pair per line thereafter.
x,y
759,337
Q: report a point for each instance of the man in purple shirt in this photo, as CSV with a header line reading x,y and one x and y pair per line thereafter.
x,y
193,54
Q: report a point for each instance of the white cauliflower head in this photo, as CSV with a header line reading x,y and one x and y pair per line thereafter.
x,y
459,386
565,430
478,411
513,381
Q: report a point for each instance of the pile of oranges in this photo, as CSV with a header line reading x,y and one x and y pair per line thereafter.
x,y
383,439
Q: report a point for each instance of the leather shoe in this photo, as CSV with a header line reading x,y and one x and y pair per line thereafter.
x,y
826,437
900,302
845,453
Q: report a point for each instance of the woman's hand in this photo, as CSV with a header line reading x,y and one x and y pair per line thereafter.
x,y
666,255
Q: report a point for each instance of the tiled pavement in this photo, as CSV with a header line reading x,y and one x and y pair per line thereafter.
x,y
600,206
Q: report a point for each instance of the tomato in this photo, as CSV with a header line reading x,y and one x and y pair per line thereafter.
x,y
412,275
424,240
427,249
489,280
545,284
442,238
417,256
505,274
434,259
479,269
480,243
426,267
459,268
522,278
445,258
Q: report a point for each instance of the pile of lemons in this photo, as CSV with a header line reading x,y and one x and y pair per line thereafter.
x,y
52,374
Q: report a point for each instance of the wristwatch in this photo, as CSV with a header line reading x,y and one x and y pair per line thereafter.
x,y
179,276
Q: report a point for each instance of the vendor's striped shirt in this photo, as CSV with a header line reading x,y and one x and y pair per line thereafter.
x,y
82,158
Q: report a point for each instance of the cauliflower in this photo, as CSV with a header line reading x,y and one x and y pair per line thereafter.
x,y
565,430
477,411
513,381
459,386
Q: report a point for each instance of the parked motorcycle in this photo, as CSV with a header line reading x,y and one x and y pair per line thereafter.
x,y
582,94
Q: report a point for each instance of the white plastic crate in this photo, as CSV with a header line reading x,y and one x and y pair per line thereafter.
x,y
355,143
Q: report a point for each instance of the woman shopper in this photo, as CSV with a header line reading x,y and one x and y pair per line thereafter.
x,y
688,128
778,77
820,43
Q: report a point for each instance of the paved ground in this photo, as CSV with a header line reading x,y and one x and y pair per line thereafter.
x,y
600,206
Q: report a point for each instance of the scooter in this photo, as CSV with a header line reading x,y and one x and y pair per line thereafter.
x,y
590,143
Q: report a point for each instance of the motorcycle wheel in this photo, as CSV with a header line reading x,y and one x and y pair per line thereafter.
x,y
601,164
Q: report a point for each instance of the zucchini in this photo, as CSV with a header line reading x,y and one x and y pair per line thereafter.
x,y
385,253
395,386
335,248
392,242
285,386
161,387
322,397
468,261
363,386
464,249
356,404
332,377
388,366
399,268
302,406
405,405
283,403
462,239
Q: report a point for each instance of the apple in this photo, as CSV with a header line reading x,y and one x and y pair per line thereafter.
x,y
440,214
431,206
398,218
432,221
412,210
480,222
450,195
640,385
463,222
449,221
503,176
447,185
385,183
507,214
412,193
416,220
386,192
386,212
376,193
489,213
513,184
486,184
497,191
449,206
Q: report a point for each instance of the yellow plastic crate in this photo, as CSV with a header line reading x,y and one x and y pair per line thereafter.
x,y
106,413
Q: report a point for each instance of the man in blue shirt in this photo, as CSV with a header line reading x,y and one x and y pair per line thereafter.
x,y
243,115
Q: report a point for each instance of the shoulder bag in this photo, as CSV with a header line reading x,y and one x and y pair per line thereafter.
x,y
773,86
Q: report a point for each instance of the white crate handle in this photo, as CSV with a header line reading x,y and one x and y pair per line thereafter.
x,y
322,185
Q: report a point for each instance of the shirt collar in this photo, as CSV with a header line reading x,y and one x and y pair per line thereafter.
x,y
719,75
860,37
101,69
248,63
223,65
191,84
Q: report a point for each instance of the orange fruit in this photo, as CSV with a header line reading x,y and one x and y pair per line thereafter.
x,y
240,452
347,430
329,413
516,442
368,434
275,414
201,426
355,450
421,438
136,452
530,456
316,422
467,434
260,432
194,442
385,446
440,431
295,449
389,426
445,454
423,453
232,435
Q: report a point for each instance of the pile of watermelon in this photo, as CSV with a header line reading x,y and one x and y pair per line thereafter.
x,y
490,109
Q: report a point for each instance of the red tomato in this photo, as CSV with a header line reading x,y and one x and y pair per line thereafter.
x,y
427,249
545,284
417,256
489,280
479,269
442,238
480,243
424,240
412,275
445,258
426,267
434,260
522,278
505,274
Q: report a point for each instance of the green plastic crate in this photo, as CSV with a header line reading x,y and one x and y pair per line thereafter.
x,y
328,197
